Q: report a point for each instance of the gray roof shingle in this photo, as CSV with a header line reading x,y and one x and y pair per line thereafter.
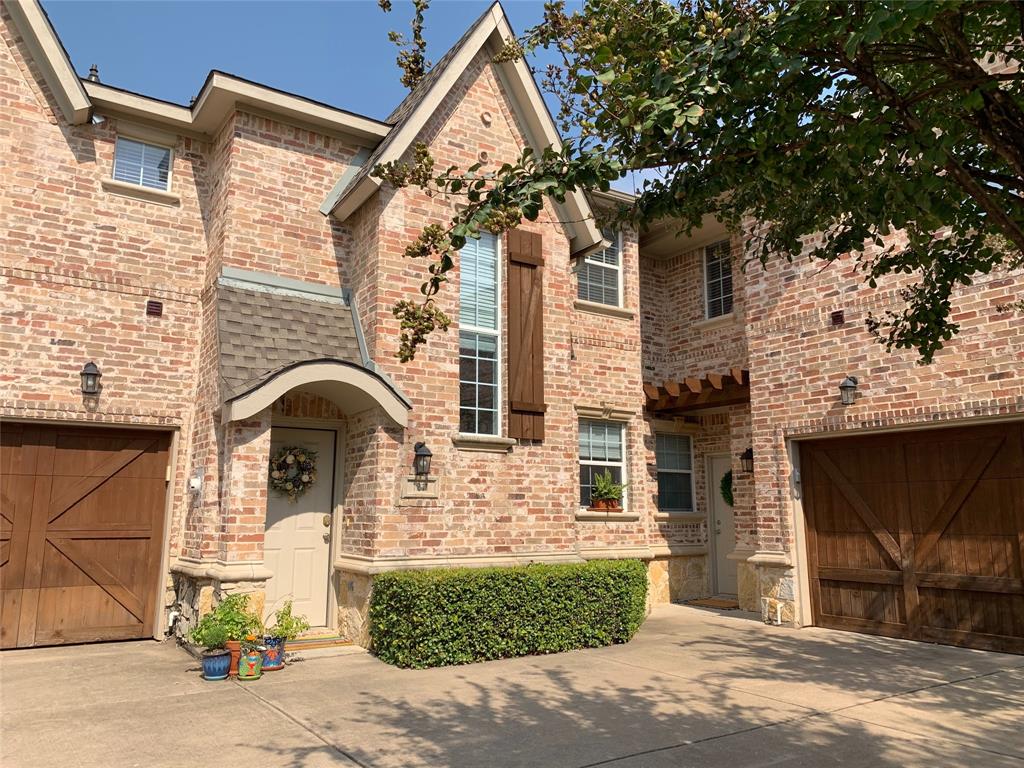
x,y
261,332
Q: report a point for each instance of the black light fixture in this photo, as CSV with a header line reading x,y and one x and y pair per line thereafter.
x,y
90,379
848,390
421,463
747,460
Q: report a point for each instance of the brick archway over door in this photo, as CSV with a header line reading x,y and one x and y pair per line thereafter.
x,y
81,528
919,534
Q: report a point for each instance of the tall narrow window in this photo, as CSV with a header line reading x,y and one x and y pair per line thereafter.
x,y
718,278
144,164
601,450
599,278
479,337
674,454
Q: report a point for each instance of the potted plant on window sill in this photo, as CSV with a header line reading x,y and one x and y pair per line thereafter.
x,y
287,626
607,494
213,637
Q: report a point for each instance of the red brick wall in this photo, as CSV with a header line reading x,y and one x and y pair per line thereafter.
x,y
798,358
78,263
523,501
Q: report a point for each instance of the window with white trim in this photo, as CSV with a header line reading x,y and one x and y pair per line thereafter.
x,y
479,337
674,455
599,277
718,278
147,165
601,450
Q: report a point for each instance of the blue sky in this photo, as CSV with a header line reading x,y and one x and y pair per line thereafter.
x,y
334,51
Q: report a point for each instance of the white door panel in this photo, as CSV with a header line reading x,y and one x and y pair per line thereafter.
x,y
297,544
722,527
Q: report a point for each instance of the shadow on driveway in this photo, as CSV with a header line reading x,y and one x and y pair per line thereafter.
x,y
694,688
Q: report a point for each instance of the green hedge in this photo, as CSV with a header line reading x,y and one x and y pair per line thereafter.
x,y
461,615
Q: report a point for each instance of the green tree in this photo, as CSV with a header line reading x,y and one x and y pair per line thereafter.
x,y
850,121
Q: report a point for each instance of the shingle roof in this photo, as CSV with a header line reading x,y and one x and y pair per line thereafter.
x,y
261,332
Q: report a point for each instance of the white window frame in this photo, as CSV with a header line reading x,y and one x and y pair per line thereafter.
x,y
707,293
496,332
617,267
690,472
144,142
623,464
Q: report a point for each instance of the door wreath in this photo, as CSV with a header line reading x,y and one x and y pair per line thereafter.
x,y
726,488
293,471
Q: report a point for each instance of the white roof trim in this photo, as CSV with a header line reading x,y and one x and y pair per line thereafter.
x,y
529,105
336,379
48,54
220,95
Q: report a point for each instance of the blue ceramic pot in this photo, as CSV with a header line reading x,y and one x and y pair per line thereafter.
x,y
216,665
273,655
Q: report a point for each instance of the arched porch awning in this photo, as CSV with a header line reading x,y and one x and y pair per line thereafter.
x,y
351,387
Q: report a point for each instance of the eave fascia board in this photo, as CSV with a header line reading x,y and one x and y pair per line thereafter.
x,y
414,124
331,201
222,92
220,96
52,60
584,234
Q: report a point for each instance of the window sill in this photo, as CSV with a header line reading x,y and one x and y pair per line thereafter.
x,y
596,308
678,517
714,322
483,443
607,516
137,192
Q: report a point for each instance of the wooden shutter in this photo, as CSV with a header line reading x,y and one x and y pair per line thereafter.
x,y
525,335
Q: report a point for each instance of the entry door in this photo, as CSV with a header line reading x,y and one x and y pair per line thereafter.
x,y
297,545
81,531
722,526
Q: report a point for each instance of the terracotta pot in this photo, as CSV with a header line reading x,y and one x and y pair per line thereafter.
x,y
235,646
599,504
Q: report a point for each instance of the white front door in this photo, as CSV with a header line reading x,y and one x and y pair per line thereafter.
x,y
297,545
722,526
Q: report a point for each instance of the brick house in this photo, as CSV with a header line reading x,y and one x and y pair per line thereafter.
x,y
231,267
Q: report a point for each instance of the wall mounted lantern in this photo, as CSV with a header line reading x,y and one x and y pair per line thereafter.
x,y
747,460
90,379
421,463
848,390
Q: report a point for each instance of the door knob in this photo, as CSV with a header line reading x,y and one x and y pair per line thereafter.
x,y
327,521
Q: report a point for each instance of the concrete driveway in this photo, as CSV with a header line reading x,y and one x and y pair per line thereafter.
x,y
695,688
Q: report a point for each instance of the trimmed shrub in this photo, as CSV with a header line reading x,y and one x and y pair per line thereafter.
x,y
462,615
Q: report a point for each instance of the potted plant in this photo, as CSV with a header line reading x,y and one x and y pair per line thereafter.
x,y
250,662
234,615
287,626
607,494
212,636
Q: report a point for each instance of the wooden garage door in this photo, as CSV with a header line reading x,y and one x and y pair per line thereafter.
x,y
919,534
81,524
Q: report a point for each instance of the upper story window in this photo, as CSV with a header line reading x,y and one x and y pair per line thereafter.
x,y
718,278
147,165
479,337
601,450
600,274
674,454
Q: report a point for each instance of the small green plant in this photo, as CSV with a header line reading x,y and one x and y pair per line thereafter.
x,y
209,633
605,488
234,615
287,625
251,643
